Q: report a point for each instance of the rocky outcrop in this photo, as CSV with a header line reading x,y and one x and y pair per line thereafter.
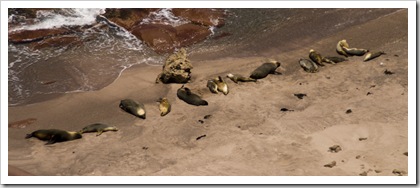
x,y
59,41
24,36
177,68
165,38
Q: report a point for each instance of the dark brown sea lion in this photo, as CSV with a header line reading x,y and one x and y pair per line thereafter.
x,y
54,135
265,69
187,96
133,107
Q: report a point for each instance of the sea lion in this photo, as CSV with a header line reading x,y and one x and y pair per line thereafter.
x,y
99,128
221,85
355,51
54,135
308,65
164,106
370,56
239,78
212,86
340,45
133,107
336,59
316,57
187,96
265,69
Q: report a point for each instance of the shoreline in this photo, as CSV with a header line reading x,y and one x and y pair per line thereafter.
x,y
247,133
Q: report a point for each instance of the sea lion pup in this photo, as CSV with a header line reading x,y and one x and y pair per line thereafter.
x,y
265,69
211,84
239,78
54,135
370,56
340,45
164,106
336,59
99,128
316,57
221,85
187,96
133,107
308,65
355,51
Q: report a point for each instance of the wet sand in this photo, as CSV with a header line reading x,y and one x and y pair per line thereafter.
x,y
247,133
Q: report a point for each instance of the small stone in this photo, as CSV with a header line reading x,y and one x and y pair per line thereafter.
x,y
300,95
334,149
358,157
399,172
406,153
369,93
201,121
348,111
388,72
331,164
200,137
378,171
363,173
362,138
207,116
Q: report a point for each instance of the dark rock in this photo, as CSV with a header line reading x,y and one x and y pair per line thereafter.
x,y
201,121
177,68
59,41
406,153
334,149
285,110
331,164
361,139
369,93
207,116
388,72
200,137
349,111
25,36
300,95
202,16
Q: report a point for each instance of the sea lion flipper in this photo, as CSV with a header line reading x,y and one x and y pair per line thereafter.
x,y
99,132
188,91
28,136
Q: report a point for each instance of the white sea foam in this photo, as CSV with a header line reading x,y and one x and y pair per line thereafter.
x,y
51,19
164,16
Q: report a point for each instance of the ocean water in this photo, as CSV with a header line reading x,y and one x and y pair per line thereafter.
x,y
35,74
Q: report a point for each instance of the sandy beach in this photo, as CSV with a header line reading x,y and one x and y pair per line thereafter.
x,y
247,133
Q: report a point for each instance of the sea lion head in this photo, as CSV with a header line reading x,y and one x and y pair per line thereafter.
x,y
312,50
229,75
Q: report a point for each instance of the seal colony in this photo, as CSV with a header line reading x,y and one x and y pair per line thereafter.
x,y
215,85
342,48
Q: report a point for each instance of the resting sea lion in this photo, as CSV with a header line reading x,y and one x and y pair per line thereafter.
x,y
336,59
265,69
54,135
164,106
370,56
308,65
221,85
211,84
340,45
355,51
239,78
99,128
133,107
187,96
316,57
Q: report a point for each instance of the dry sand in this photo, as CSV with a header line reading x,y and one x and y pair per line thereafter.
x,y
247,134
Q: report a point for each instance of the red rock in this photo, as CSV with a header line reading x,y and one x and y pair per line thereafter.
x,y
127,17
188,34
23,36
59,41
203,16
161,38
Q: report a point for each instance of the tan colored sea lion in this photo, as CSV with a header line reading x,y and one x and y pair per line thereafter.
x,y
316,57
187,96
164,106
265,69
54,135
340,45
99,128
221,85
239,78
133,107
308,65
211,84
